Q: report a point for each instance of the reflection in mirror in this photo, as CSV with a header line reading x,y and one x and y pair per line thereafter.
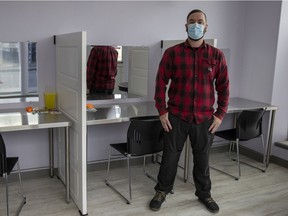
x,y
18,70
132,73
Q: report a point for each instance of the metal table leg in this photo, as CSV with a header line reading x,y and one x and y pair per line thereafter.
x,y
51,152
67,164
269,145
186,160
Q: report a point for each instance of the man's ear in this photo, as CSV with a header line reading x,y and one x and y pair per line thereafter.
x,y
186,27
205,29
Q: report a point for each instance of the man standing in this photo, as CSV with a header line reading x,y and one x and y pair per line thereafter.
x,y
195,70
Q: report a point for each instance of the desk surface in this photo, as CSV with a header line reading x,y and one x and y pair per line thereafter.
x,y
19,119
124,112
239,104
121,113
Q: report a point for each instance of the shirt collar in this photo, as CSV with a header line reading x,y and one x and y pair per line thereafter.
x,y
187,44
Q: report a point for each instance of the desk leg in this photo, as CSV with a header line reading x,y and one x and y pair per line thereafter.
x,y
67,164
186,160
269,146
51,152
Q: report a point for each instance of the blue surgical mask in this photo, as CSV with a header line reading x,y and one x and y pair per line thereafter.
x,y
195,31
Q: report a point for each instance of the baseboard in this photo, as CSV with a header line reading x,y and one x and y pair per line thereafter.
x,y
32,174
279,161
102,165
252,154
219,148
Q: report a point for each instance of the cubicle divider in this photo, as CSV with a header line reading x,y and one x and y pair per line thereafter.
x,y
71,91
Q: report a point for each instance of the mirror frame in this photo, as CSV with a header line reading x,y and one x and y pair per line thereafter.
x,y
121,89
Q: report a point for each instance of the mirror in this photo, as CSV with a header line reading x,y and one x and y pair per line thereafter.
x,y
132,73
18,70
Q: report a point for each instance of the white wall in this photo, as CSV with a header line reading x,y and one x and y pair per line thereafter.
x,y
264,74
147,23
261,23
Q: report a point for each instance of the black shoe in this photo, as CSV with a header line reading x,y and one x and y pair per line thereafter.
x,y
210,204
157,200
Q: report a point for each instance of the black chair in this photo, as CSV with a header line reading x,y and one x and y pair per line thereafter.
x,y
7,164
144,137
248,126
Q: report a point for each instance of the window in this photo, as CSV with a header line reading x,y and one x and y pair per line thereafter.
x,y
119,50
18,68
10,68
32,68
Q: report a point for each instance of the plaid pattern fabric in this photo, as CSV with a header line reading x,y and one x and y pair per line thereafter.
x,y
193,73
102,68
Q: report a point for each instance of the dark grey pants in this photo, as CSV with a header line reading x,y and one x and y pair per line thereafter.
x,y
201,141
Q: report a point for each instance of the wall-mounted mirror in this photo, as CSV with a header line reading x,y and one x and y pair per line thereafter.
x,y
132,73
18,70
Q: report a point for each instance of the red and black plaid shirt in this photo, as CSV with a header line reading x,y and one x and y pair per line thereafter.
x,y
102,68
193,73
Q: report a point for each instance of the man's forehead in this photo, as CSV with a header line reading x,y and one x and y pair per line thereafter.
x,y
196,16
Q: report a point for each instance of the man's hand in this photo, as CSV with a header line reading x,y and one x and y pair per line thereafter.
x,y
165,122
215,124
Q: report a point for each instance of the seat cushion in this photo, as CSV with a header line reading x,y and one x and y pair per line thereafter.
x,y
227,134
11,162
120,147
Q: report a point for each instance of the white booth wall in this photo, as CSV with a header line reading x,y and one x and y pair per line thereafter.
x,y
240,27
280,87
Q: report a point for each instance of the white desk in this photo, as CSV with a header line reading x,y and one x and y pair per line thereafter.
x,y
19,120
124,112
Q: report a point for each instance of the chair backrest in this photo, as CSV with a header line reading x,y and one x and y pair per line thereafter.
x,y
144,136
249,124
3,165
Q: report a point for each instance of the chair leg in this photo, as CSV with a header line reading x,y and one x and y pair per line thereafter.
x,y
7,192
254,166
20,180
146,173
23,202
264,156
129,175
108,165
110,185
238,159
231,147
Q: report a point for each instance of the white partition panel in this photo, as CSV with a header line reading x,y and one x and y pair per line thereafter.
x,y
138,69
71,90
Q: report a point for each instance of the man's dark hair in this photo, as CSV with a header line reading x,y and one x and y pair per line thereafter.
x,y
197,11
